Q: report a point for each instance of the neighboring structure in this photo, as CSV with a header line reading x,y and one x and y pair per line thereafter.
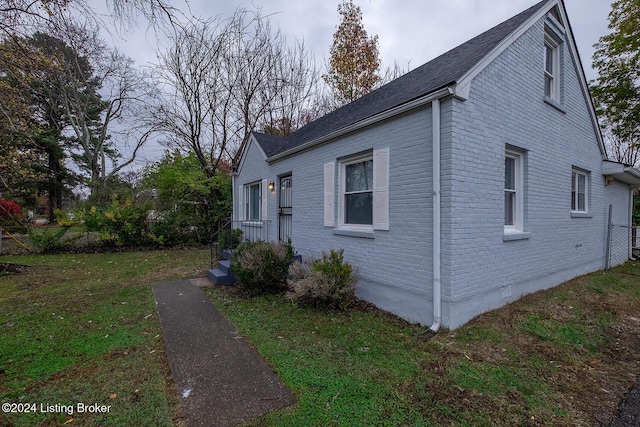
x,y
457,188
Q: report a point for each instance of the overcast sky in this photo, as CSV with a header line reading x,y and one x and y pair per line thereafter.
x,y
409,31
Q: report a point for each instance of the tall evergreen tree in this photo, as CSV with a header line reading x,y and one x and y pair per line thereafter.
x,y
354,63
33,119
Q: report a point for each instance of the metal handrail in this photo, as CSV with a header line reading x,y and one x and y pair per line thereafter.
x,y
232,232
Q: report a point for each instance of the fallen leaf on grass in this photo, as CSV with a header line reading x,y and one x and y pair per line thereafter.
x,y
113,395
69,421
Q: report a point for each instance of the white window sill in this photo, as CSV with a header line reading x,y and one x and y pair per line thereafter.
x,y
555,104
511,236
581,215
251,223
363,234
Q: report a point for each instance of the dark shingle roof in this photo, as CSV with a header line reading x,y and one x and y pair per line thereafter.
x,y
430,77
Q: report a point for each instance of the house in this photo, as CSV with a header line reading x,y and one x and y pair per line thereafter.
x,y
466,183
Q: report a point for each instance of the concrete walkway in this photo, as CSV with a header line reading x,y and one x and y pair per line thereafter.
x,y
221,380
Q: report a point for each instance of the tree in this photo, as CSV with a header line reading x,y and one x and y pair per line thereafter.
x,y
354,59
107,103
183,189
31,123
20,18
224,78
616,91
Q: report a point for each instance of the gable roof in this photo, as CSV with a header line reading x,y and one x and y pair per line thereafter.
x,y
439,73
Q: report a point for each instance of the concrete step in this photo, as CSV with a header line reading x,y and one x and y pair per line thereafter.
x,y
225,266
219,277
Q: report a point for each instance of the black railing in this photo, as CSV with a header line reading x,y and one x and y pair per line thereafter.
x,y
231,233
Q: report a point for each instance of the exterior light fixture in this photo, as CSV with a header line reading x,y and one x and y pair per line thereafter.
x,y
272,187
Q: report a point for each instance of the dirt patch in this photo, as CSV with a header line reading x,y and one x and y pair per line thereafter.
x,y
7,268
629,409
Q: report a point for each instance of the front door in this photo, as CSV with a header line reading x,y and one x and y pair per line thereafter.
x,y
285,209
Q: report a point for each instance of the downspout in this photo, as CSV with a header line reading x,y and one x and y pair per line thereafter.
x,y
437,283
630,241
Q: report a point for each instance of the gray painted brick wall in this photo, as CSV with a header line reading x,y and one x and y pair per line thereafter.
x,y
480,271
396,265
506,106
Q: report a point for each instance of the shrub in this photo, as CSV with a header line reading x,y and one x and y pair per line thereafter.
x,y
325,282
120,224
65,219
261,267
170,229
52,241
10,212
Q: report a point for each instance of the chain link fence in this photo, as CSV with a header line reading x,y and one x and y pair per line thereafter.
x,y
621,236
622,242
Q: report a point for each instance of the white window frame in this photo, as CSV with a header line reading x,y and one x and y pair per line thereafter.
x,y
550,43
342,211
518,190
247,200
575,195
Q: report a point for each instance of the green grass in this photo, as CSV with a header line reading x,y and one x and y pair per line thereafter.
x,y
544,360
84,328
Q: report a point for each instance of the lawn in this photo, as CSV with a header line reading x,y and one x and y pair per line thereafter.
x,y
83,328
563,357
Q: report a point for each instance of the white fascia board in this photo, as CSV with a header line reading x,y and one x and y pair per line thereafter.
x,y
427,99
252,140
463,86
584,86
621,172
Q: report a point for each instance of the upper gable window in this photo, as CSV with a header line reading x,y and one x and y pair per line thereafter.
x,y
551,68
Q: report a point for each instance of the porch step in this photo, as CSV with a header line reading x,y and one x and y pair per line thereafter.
x,y
222,275
225,266
219,277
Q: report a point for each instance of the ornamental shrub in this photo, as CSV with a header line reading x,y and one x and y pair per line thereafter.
x,y
261,267
326,282
10,212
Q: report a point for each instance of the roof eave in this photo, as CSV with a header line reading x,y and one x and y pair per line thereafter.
x,y
245,150
621,172
407,106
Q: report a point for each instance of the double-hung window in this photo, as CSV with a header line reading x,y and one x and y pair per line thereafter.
x,y
513,192
253,201
551,68
358,192
362,193
579,191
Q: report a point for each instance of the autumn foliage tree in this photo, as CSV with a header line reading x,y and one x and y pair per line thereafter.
x,y
354,62
616,91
